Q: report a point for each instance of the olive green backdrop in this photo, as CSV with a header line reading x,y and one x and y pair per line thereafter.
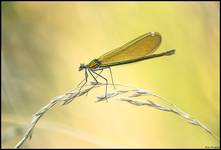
x,y
43,44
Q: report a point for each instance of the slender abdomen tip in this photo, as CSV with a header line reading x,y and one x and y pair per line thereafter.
x,y
171,52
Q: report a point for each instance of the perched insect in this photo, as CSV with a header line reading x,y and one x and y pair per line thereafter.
x,y
136,50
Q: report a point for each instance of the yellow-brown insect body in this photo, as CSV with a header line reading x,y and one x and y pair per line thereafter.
x,y
93,64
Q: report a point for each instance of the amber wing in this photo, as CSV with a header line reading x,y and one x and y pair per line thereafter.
x,y
137,48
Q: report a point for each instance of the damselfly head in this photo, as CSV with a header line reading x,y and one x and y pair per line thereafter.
x,y
82,66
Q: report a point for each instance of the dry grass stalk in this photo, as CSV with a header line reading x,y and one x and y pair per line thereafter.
x,y
72,94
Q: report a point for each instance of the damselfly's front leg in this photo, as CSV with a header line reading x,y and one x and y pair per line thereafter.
x,y
105,81
95,78
86,77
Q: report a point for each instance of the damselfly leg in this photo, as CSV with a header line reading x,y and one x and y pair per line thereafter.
x,y
95,78
112,78
86,77
102,78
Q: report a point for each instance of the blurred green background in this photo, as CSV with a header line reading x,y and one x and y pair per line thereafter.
x,y
44,43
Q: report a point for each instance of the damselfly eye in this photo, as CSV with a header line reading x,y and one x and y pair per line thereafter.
x,y
82,66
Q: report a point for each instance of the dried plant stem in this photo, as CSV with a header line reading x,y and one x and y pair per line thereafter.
x,y
178,112
66,98
72,94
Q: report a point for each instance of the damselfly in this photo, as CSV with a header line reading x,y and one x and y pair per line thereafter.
x,y
136,50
